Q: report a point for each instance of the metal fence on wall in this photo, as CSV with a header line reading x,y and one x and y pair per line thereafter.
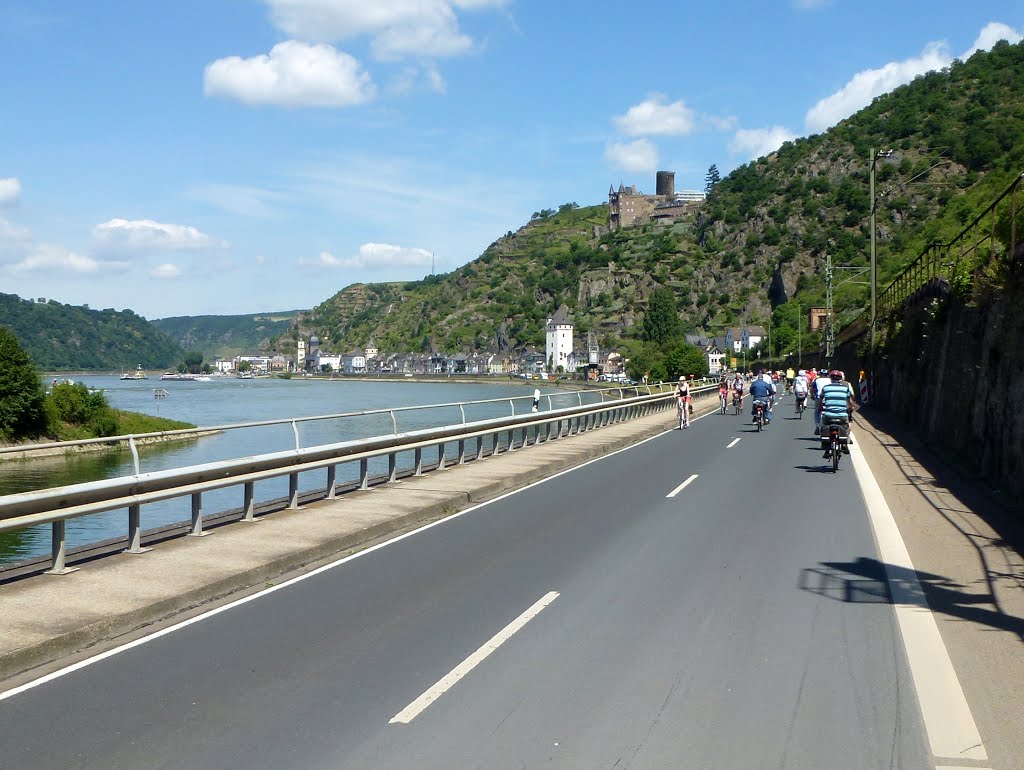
x,y
994,237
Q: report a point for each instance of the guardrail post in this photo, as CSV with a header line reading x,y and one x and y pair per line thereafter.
x,y
462,451
479,447
295,430
462,411
58,550
197,516
135,530
440,456
418,461
332,480
249,501
549,404
511,440
364,473
135,453
393,466
495,444
293,490
394,422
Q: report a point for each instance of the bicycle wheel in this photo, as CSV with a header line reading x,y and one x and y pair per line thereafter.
x,y
835,455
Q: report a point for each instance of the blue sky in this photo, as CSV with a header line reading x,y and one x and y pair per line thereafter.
x,y
236,156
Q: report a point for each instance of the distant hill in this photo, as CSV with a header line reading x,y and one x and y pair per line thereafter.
x,y
227,335
70,338
754,253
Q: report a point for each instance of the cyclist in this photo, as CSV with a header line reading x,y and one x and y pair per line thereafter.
x,y
800,387
737,391
790,376
762,389
683,402
723,392
835,405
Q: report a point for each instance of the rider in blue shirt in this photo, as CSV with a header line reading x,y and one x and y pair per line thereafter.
x,y
761,390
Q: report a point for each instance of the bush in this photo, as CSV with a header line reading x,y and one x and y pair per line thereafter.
x,y
75,411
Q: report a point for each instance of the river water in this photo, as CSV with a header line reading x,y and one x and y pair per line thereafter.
x,y
228,400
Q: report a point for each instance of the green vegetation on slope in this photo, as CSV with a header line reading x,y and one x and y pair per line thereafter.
x,y
69,338
227,335
755,252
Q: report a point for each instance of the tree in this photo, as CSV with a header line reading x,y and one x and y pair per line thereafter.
x,y
685,359
244,366
661,321
22,398
711,179
193,360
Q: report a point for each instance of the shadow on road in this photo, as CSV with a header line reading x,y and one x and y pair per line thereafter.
x,y
864,581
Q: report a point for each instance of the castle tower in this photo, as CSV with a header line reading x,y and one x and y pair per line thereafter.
x,y
665,184
558,337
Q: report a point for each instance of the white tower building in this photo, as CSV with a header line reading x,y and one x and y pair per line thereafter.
x,y
558,350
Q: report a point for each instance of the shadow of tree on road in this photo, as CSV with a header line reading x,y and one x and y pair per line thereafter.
x,y
865,581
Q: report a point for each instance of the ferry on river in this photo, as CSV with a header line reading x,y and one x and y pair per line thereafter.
x,y
138,374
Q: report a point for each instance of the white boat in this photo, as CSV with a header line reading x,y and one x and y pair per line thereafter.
x,y
138,374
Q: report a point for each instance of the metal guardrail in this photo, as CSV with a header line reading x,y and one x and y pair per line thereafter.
x,y
131,439
55,506
992,235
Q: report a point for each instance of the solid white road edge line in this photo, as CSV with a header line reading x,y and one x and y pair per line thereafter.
x,y
252,597
947,716
682,486
410,712
735,441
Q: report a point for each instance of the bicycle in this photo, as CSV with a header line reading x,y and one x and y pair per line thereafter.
x,y
736,401
759,415
683,413
801,405
724,399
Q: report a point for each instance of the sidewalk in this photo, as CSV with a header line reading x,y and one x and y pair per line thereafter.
x,y
966,549
50,619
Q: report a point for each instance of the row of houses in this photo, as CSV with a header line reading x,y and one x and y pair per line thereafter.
x,y
525,362
559,355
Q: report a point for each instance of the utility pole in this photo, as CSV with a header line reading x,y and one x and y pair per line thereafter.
x,y
799,345
830,332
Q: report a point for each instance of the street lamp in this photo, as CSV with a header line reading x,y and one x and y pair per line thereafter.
x,y
875,156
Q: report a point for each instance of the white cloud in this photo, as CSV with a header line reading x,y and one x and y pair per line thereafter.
x,y
294,74
654,117
398,28
237,199
375,256
866,85
637,156
721,122
757,142
10,191
166,271
991,34
260,259
147,235
50,259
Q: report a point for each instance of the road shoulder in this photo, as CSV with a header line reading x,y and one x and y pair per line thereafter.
x,y
966,549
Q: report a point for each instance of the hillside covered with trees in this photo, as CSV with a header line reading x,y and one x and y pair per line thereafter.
x,y
753,253
227,335
61,337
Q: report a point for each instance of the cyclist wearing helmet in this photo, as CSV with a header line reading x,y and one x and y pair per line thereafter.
x,y
834,407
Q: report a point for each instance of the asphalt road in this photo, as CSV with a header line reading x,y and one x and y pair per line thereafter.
x,y
738,624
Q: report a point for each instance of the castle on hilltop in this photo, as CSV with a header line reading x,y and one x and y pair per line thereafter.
x,y
628,206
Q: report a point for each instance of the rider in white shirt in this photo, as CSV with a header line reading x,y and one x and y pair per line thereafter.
x,y
801,389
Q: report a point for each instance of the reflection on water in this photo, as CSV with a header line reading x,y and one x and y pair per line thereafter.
x,y
229,400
